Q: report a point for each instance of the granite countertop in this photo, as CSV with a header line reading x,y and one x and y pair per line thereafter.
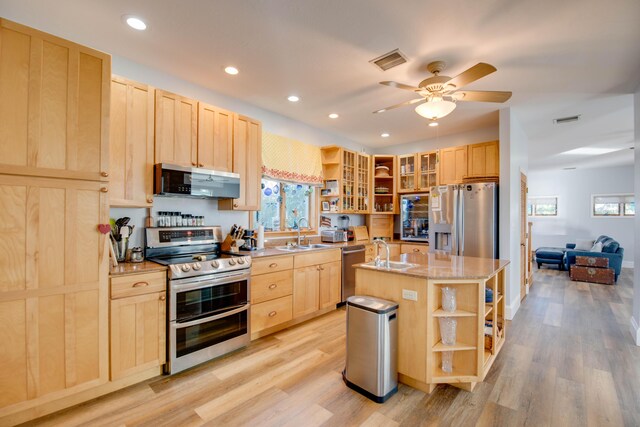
x,y
444,266
124,268
270,251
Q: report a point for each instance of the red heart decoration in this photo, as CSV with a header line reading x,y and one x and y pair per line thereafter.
x,y
104,228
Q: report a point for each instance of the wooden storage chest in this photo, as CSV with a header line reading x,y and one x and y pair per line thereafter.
x,y
605,276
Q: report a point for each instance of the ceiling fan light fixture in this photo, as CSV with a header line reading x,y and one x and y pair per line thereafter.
x,y
433,124
435,109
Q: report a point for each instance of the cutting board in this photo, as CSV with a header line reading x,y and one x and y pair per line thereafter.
x,y
360,233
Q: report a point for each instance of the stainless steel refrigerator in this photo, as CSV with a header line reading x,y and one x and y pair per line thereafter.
x,y
463,219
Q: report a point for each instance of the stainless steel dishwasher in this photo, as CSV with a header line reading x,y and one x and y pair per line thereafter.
x,y
350,255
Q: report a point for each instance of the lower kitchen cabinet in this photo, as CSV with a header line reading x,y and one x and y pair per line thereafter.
x,y
138,323
271,313
306,290
330,284
409,249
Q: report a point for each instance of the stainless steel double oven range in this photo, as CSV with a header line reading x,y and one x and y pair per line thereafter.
x,y
208,305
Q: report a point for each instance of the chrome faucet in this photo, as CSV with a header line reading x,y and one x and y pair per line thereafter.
x,y
378,261
299,239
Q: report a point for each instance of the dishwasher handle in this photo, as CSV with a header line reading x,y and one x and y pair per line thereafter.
x,y
355,251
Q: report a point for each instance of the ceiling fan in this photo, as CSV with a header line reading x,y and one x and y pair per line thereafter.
x,y
439,94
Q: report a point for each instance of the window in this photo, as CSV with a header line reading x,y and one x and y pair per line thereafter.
x,y
279,202
542,206
613,205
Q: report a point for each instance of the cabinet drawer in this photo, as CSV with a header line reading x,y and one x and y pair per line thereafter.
x,y
314,258
271,313
369,250
408,249
271,264
269,286
138,284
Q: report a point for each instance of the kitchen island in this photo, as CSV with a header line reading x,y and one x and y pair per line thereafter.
x,y
415,281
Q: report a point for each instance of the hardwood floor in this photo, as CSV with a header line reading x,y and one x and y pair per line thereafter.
x,y
568,361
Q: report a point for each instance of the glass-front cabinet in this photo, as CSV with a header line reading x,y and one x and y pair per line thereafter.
x,y
347,181
362,199
418,172
407,175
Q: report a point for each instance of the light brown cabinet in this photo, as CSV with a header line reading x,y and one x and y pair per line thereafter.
x,y
418,172
385,199
271,293
380,226
317,281
330,284
347,175
407,248
247,162
54,106
306,290
483,160
215,138
138,324
453,165
131,143
176,131
53,295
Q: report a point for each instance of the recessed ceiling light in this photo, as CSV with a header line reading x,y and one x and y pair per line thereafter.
x,y
384,135
293,98
333,116
231,70
381,111
590,151
135,22
569,169
433,124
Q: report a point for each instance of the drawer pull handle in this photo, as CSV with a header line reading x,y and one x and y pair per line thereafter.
x,y
273,265
104,174
104,190
162,297
140,284
273,313
416,250
273,286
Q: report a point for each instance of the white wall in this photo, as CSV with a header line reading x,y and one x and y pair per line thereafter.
x,y
513,161
271,122
574,221
635,319
490,133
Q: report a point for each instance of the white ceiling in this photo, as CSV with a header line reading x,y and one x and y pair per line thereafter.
x,y
557,57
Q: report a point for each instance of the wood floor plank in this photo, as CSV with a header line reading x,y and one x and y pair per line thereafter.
x,y
378,420
602,402
569,404
553,317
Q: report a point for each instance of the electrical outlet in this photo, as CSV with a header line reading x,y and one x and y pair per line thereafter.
x,y
410,295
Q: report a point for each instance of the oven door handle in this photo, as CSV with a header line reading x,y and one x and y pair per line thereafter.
x,y
199,283
178,325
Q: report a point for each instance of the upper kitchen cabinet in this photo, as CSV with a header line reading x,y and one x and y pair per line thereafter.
x,y
54,106
176,129
453,165
483,159
347,180
131,144
418,172
407,177
247,162
53,294
215,138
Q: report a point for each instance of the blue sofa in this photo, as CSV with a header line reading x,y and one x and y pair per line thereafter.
x,y
610,249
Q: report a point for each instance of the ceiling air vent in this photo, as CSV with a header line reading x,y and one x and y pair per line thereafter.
x,y
566,119
389,60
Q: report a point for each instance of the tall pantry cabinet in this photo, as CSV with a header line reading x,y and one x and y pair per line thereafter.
x,y
54,114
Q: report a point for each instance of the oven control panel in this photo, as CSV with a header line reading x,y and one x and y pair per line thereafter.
x,y
204,266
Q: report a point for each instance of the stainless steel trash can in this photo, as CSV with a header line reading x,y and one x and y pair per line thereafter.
x,y
372,342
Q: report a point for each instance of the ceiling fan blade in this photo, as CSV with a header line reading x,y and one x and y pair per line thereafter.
x,y
400,86
481,96
402,104
474,73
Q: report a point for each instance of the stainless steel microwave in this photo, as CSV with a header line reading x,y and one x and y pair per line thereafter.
x,y
174,180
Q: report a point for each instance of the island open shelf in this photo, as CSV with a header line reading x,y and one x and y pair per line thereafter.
x,y
480,325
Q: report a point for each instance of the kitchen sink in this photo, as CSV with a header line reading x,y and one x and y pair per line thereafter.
x,y
393,265
301,248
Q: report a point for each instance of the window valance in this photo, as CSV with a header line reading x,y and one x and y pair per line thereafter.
x,y
289,160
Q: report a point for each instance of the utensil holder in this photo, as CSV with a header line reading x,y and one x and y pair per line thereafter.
x,y
448,330
121,247
449,299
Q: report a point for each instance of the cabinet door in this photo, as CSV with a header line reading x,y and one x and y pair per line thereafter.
x,y
407,167
137,334
215,138
363,175
330,284
53,293
484,159
427,170
54,106
409,249
176,129
453,165
247,161
306,282
131,144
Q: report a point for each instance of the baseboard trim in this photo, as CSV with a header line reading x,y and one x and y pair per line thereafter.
x,y
627,264
510,310
635,331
